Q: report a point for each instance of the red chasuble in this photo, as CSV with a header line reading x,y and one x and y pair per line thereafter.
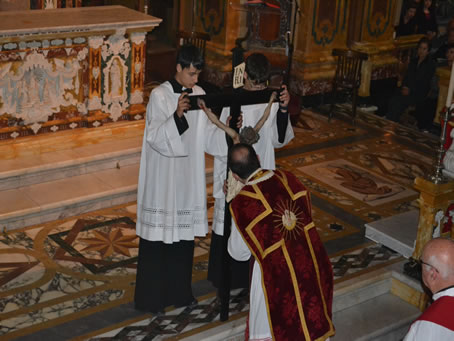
x,y
274,218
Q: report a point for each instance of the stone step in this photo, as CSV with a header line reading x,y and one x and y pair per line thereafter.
x,y
70,173
72,195
60,164
57,199
385,317
370,307
364,308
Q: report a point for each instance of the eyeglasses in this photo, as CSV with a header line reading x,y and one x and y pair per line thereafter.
x,y
421,262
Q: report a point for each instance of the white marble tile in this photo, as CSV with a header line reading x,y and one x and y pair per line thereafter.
x,y
397,232
373,319
65,190
231,330
115,147
124,176
358,295
16,200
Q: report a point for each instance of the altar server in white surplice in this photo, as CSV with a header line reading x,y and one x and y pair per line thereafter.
x,y
275,133
171,198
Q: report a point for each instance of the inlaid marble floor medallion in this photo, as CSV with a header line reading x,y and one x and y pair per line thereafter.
x,y
357,182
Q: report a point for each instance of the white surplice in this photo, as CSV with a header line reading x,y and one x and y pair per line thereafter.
x,y
259,327
171,197
422,330
264,148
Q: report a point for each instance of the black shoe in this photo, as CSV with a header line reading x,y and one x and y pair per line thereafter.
x,y
191,304
158,313
139,308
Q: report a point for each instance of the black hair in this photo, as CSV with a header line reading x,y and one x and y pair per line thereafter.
x,y
257,68
412,5
449,46
189,54
425,40
243,160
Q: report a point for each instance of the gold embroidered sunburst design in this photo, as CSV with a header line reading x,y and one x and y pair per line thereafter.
x,y
108,243
287,216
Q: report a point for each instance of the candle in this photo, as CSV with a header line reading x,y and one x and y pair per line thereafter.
x,y
450,88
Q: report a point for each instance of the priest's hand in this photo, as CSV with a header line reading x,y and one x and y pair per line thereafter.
x,y
284,97
183,104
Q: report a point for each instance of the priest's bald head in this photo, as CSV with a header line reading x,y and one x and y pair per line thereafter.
x,y
243,161
437,262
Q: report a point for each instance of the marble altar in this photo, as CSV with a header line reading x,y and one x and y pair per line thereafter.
x,y
70,68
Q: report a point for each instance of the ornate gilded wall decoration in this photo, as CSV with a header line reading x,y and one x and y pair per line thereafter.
x,y
212,15
328,21
379,15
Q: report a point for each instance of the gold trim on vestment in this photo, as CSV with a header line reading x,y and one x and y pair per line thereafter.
x,y
314,259
284,181
258,195
297,292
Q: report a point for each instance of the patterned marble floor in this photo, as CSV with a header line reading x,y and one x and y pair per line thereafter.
x,y
74,278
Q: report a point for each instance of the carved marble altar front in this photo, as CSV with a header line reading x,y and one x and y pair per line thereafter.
x,y
69,68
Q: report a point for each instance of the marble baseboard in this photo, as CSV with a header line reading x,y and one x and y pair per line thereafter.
x,y
397,232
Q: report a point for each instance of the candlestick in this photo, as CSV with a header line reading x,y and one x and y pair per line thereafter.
x,y
437,177
450,88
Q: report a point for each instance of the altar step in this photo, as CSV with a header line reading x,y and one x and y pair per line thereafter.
x,y
397,232
61,164
374,306
75,174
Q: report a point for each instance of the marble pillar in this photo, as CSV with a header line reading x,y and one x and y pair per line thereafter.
x,y
434,200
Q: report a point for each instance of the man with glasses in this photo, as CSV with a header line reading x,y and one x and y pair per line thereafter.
x,y
437,321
